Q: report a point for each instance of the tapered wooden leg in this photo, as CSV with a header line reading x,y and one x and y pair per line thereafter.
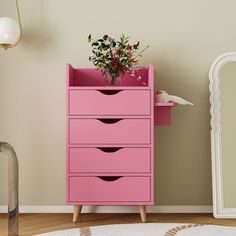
x,y
142,210
77,211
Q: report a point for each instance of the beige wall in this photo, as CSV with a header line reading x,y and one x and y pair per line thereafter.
x,y
185,37
227,77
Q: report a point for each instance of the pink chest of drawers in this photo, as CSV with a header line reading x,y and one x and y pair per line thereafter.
x,y
109,140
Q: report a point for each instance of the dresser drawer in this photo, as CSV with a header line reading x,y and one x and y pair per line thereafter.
x,y
109,102
96,189
109,131
110,160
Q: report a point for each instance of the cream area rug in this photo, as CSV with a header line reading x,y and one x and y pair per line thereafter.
x,y
148,229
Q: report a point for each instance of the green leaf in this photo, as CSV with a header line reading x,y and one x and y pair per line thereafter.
x,y
104,46
136,45
95,43
98,54
105,37
89,38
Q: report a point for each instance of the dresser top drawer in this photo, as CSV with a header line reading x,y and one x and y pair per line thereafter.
x,y
91,77
109,102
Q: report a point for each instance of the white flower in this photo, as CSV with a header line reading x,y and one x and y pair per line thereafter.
x,y
111,38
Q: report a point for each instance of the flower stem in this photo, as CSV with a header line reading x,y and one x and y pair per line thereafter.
x,y
142,51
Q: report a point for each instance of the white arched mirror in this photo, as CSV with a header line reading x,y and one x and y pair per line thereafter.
x,y
222,77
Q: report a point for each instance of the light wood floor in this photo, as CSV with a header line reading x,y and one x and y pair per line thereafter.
x,y
31,224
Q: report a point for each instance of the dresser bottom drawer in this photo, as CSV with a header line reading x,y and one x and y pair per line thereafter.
x,y
109,189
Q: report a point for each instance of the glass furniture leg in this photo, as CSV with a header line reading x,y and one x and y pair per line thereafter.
x,y
13,204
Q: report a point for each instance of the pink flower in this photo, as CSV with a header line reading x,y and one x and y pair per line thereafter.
x,y
113,53
129,47
129,54
134,61
115,62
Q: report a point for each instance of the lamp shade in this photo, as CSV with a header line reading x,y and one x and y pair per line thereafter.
x,y
9,32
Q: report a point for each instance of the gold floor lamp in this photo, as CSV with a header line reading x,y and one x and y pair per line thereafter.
x,y
10,36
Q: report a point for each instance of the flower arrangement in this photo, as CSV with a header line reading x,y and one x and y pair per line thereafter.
x,y
114,57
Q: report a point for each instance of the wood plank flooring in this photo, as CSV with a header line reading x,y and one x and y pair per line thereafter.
x,y
31,224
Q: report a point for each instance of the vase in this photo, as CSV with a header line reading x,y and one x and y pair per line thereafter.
x,y
112,79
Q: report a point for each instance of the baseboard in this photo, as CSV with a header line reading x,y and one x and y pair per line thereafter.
x,y
111,209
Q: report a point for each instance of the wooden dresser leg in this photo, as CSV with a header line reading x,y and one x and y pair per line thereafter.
x,y
77,211
142,210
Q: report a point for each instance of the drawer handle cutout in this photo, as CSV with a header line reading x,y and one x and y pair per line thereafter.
x,y
109,178
109,121
109,92
109,149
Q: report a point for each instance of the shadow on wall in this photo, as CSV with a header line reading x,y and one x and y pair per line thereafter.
x,y
38,39
37,31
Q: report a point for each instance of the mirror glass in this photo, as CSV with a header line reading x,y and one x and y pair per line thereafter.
x,y
227,77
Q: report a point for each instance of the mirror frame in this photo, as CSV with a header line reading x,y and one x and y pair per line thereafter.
x,y
219,210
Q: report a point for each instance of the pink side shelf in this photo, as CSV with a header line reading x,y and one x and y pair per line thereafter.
x,y
162,113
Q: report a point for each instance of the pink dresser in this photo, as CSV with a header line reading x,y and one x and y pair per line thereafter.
x,y
110,140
